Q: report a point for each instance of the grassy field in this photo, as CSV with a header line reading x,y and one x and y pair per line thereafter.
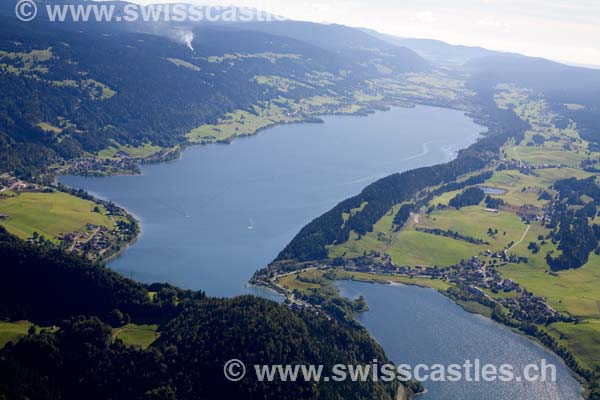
x,y
361,96
50,214
575,291
377,240
417,281
282,84
273,57
535,260
560,146
49,128
184,64
550,175
13,331
423,85
137,335
240,123
475,308
544,178
278,111
26,62
474,221
520,189
548,155
410,247
414,248
144,151
524,189
583,340
444,198
290,281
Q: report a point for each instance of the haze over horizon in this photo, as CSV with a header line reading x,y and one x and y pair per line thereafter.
x,y
564,31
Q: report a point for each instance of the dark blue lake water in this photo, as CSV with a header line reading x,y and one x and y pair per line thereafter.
x,y
416,325
196,212
212,218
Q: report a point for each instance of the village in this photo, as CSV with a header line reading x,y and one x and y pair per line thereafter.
x,y
96,166
94,229
96,242
477,278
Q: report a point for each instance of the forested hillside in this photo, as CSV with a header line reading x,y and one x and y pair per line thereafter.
x,y
330,228
81,358
71,90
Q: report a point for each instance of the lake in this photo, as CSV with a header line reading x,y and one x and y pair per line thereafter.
x,y
492,191
212,218
416,325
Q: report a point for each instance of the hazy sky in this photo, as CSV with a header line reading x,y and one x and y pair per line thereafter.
x,y
557,29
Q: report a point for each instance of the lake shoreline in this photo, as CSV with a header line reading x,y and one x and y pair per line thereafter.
x,y
179,149
176,152
533,339
193,145
497,325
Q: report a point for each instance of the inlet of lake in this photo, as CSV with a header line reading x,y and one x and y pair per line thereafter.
x,y
212,218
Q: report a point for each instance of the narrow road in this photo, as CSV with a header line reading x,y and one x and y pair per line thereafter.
x,y
520,241
402,395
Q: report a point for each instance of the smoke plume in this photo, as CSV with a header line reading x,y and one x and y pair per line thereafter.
x,y
184,37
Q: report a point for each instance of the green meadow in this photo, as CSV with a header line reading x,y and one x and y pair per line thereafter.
x,y
414,248
290,281
474,221
50,214
141,336
583,339
143,151
406,280
574,291
377,240
13,331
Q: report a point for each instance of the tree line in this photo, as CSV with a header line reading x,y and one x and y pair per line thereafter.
x,y
330,228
